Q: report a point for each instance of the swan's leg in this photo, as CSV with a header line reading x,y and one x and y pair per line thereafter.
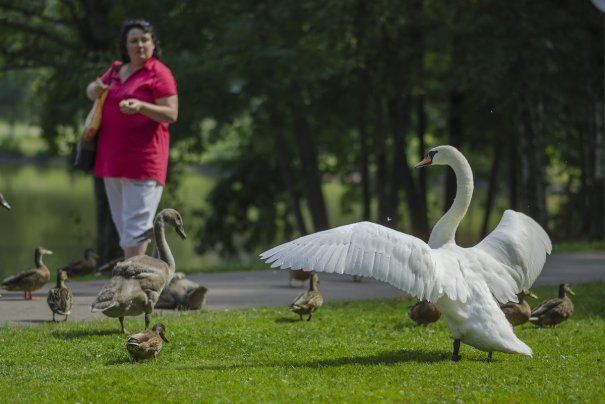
x,y
300,317
489,356
65,319
122,325
147,320
455,356
54,317
310,314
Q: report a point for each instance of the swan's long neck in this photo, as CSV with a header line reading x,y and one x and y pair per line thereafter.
x,y
161,245
445,230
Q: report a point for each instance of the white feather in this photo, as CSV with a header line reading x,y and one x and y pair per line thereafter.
x,y
465,283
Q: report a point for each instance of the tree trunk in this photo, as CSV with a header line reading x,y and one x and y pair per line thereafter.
x,y
492,189
513,173
402,173
420,131
382,182
108,240
533,182
363,151
310,170
283,160
455,139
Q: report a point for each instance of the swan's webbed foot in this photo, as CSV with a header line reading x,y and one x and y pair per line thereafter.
x,y
489,356
455,356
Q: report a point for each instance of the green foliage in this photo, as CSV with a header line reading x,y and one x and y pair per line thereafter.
x,y
248,72
357,351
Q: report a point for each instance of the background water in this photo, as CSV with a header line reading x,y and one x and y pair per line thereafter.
x,y
55,209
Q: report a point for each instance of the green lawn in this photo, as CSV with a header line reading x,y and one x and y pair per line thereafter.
x,y
355,352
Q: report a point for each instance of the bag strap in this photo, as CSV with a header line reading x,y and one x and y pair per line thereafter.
x,y
113,70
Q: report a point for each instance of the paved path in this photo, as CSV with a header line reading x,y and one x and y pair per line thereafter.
x,y
243,290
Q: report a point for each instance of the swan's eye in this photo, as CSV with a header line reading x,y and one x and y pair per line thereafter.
x,y
432,154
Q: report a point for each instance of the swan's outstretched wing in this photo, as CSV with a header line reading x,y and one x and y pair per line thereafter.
x,y
366,249
512,256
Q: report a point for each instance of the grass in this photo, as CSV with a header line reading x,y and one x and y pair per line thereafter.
x,y
363,351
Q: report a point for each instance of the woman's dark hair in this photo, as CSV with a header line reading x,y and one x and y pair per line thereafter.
x,y
146,27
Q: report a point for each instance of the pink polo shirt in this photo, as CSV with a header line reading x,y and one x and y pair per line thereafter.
x,y
134,146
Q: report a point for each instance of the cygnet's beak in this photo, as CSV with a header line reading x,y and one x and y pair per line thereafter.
x,y
181,232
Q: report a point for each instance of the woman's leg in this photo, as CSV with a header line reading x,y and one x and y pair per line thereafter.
x,y
113,189
140,203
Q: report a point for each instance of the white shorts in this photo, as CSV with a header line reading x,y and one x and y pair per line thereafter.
x,y
133,205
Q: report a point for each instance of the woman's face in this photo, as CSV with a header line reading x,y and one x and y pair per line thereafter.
x,y
140,46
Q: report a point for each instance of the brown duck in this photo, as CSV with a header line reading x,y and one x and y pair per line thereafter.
x,y
299,275
554,311
310,301
59,298
32,279
424,312
85,266
518,313
146,344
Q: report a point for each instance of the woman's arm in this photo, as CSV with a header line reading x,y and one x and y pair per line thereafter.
x,y
165,109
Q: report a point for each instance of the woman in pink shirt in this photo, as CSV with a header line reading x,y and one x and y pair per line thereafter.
x,y
133,140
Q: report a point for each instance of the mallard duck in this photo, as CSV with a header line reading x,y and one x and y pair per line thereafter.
x,y
518,313
466,284
4,203
136,283
83,267
554,311
59,298
182,294
310,301
32,279
146,344
424,312
299,275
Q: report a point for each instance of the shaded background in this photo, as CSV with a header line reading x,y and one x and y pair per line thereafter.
x,y
300,116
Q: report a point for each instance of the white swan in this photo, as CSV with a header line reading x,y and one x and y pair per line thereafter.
x,y
466,284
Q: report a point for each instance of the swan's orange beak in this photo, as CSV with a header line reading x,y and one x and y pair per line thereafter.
x,y
425,162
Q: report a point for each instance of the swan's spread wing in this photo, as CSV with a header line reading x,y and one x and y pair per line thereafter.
x,y
512,256
366,249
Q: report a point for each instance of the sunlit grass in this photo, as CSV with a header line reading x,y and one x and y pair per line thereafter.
x,y
356,352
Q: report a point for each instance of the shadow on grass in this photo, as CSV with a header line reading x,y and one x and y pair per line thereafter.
x,y
75,334
382,358
119,361
287,320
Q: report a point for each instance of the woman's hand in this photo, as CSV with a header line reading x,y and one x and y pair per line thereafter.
x,y
165,109
131,106
94,89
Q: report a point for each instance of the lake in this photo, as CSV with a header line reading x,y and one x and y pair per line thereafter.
x,y
54,208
